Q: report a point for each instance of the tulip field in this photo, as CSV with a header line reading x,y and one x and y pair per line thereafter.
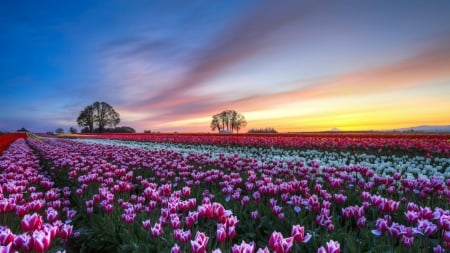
x,y
327,193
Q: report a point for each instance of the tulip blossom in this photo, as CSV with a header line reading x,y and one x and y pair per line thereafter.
x,y
175,249
157,230
65,231
198,245
243,248
31,222
22,242
298,233
331,247
221,234
40,241
6,236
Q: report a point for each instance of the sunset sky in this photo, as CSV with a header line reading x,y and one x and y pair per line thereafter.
x,y
170,65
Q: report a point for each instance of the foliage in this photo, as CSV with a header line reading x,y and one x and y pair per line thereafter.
x,y
262,130
59,131
99,114
86,118
228,121
73,130
121,129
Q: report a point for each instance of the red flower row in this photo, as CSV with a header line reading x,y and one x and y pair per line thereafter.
x,y
6,139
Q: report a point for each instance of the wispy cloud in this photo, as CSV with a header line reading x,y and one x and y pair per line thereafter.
x,y
413,72
245,37
242,39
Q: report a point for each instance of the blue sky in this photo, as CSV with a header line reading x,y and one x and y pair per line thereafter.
x,y
170,65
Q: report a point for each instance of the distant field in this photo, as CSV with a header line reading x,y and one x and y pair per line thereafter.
x,y
438,144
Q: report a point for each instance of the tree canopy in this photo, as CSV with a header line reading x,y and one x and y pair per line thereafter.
x,y
228,120
100,115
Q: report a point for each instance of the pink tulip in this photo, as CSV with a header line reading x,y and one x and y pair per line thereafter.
x,y
40,241
146,224
157,230
407,241
265,250
65,231
298,233
221,234
275,240
254,215
243,248
23,242
6,248
361,222
427,227
198,245
331,247
6,236
31,222
175,249
52,214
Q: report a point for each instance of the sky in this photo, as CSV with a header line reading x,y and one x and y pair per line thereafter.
x,y
170,65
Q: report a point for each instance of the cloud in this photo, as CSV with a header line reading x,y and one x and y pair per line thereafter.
x,y
142,68
431,64
414,72
242,39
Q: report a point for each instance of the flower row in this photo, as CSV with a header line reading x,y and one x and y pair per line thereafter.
x,y
386,164
35,214
7,139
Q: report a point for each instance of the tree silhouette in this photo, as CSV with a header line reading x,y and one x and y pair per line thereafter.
x,y
105,115
99,114
228,120
86,118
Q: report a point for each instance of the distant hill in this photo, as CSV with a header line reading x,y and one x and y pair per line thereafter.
x,y
427,129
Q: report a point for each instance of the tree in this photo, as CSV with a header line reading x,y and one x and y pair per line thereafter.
x,y
86,118
99,114
59,131
123,129
238,122
228,120
73,130
215,123
105,115
266,130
